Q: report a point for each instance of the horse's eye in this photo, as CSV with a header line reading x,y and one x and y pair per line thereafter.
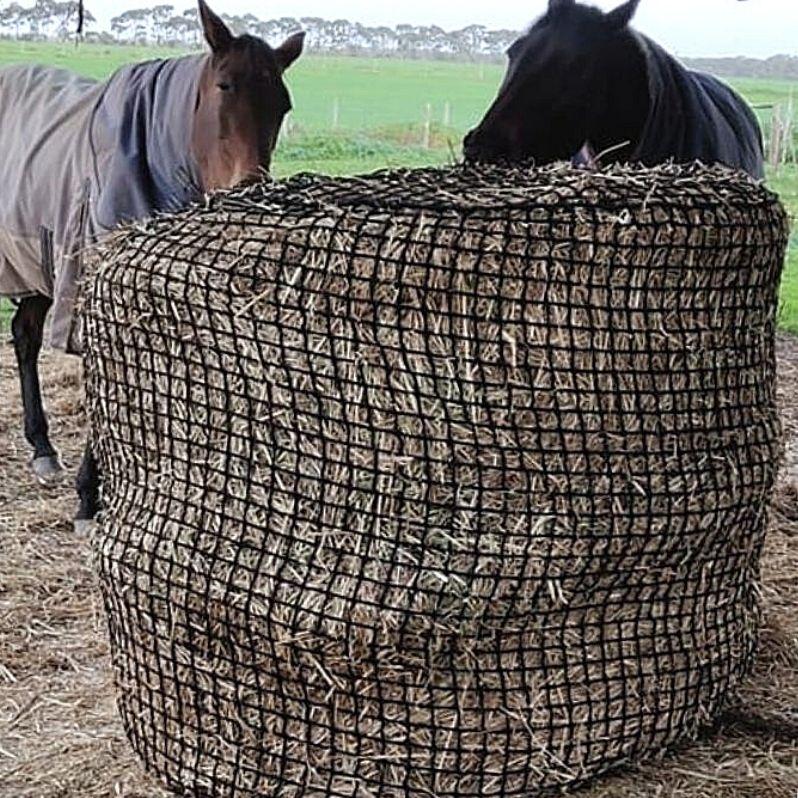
x,y
224,86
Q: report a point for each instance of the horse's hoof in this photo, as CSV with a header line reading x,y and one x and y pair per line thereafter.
x,y
85,527
47,470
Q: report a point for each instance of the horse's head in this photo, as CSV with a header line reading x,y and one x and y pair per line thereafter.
x,y
241,103
560,72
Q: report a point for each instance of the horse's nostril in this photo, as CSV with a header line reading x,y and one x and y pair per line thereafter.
x,y
247,177
489,149
479,150
471,146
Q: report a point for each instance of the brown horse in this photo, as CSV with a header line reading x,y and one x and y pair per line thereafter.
x,y
83,157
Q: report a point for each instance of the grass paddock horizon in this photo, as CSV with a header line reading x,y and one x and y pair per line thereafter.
x,y
355,115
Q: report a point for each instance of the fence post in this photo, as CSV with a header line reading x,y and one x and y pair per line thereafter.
x,y
775,137
336,114
427,134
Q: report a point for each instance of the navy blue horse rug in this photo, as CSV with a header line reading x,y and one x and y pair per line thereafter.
x,y
696,117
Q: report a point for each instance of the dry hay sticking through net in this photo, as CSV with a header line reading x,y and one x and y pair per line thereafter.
x,y
435,482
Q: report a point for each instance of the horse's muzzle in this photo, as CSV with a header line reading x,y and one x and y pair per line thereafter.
x,y
470,147
478,148
248,179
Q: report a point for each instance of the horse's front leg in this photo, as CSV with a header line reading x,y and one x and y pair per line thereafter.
x,y
28,331
88,486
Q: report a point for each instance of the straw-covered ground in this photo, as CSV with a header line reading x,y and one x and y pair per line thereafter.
x,y
60,736
290,583
59,733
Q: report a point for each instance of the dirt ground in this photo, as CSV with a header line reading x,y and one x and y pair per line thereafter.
x,y
59,733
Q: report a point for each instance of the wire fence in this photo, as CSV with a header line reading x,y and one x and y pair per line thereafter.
x,y
780,133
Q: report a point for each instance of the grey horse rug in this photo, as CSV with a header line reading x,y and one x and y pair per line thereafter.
x,y
693,117
79,159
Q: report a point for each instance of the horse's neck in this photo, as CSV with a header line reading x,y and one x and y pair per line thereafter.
x,y
622,101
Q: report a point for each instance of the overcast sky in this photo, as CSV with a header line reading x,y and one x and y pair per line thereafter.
x,y
689,27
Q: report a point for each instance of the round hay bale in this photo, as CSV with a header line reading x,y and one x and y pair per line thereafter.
x,y
442,483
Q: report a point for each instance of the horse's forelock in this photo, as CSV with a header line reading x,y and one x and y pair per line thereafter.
x,y
576,12
253,54
259,52
584,17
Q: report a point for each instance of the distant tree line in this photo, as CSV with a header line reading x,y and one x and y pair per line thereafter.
x,y
778,66
46,19
166,26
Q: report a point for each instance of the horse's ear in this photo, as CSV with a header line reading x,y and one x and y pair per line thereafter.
x,y
622,16
557,5
217,34
290,50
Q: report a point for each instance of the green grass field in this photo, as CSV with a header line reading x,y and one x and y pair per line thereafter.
x,y
360,114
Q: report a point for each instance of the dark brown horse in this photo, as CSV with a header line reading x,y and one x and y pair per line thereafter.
x,y
81,158
582,78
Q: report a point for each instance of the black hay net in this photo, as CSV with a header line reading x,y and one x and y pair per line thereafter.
x,y
444,483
